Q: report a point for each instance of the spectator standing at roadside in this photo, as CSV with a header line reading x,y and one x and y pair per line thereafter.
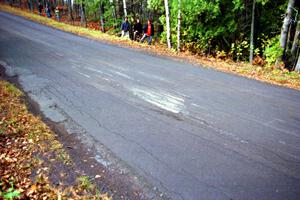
x,y
48,11
125,28
40,8
57,13
137,29
29,5
148,32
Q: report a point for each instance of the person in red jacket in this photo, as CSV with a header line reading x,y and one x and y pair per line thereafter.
x,y
148,32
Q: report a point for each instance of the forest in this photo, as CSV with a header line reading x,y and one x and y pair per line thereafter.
x,y
255,31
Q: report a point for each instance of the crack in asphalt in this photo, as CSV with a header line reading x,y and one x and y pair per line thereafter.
x,y
212,127
153,156
61,94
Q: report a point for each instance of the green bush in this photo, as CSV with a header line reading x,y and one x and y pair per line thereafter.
x,y
273,50
10,193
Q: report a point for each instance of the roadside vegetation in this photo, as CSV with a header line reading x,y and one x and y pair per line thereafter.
x,y
209,35
30,154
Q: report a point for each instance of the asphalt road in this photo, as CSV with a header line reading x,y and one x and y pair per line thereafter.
x,y
191,132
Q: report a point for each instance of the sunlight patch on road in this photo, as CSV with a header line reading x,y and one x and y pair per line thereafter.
x,y
162,100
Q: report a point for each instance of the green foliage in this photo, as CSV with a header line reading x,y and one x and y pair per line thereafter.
x,y
10,193
238,5
212,26
240,50
155,4
13,90
263,2
84,183
207,27
273,50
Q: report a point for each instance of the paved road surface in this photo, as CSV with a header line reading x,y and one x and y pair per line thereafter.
x,y
192,132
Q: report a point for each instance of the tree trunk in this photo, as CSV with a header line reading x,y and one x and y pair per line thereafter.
x,y
296,40
298,64
179,25
82,15
286,25
168,24
101,17
125,8
31,5
70,11
252,34
63,6
114,11
117,9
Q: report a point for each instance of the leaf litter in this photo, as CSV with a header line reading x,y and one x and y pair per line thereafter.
x,y
30,154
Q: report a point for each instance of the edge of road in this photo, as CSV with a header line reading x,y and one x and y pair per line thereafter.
x,y
103,168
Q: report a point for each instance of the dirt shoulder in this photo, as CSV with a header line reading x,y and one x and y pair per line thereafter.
x,y
42,161
268,74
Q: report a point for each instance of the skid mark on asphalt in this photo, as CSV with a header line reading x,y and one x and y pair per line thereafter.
x,y
98,71
83,74
154,77
164,100
123,75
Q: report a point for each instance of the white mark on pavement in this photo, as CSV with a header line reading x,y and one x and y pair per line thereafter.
x,y
98,71
278,125
163,100
181,94
83,74
108,64
123,75
282,142
155,77
59,54
104,78
8,69
196,105
75,66
105,163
